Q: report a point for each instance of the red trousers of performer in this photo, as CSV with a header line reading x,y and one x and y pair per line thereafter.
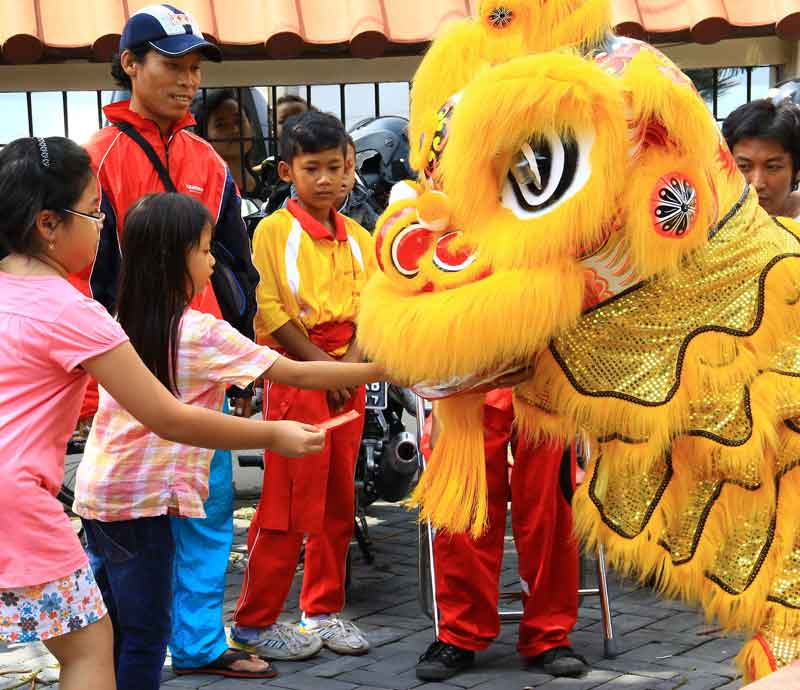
x,y
468,570
311,496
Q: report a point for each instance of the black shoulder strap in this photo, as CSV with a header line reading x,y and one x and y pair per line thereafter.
x,y
163,174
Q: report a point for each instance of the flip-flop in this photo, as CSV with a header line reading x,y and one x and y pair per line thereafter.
x,y
222,667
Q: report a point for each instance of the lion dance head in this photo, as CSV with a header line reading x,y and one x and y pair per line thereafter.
x,y
558,165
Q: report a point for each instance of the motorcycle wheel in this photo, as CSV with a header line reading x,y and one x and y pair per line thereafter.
x,y
392,486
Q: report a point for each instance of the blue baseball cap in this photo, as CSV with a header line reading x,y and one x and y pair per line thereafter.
x,y
169,31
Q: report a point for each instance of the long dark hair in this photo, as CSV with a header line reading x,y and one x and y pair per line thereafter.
x,y
37,175
159,231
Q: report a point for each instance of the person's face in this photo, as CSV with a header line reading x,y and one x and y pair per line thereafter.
x,y
73,233
768,167
317,177
284,112
224,123
163,87
200,263
349,178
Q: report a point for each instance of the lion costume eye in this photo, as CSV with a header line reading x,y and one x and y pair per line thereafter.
x,y
545,172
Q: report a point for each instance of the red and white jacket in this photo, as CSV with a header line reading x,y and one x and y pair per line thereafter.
x,y
125,174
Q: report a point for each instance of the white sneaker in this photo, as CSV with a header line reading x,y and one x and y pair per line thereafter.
x,y
280,642
342,637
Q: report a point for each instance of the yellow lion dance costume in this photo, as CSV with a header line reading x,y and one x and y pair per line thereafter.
x,y
577,213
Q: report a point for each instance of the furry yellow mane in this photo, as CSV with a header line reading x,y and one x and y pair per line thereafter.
x,y
577,214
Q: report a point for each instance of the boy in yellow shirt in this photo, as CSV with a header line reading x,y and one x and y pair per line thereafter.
x,y
313,263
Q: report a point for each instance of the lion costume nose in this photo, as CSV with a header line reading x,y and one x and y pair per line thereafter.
x,y
415,242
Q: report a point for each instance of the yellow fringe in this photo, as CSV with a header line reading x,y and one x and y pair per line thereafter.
x,y
487,332
699,379
452,491
753,662
643,558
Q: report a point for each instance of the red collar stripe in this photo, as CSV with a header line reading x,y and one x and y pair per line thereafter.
x,y
313,227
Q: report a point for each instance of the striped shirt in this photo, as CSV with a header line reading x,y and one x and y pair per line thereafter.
x,y
127,471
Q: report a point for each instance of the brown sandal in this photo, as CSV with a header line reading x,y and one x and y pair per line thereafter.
x,y
223,666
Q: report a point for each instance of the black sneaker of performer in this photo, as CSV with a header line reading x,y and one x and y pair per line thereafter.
x,y
560,662
442,661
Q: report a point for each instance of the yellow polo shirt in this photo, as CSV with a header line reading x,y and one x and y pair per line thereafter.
x,y
308,275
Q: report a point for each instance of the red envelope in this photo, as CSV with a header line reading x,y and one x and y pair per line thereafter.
x,y
340,420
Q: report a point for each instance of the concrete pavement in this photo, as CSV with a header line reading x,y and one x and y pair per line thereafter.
x,y
665,645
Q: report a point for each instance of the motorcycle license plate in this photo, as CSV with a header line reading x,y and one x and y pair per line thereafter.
x,y
377,395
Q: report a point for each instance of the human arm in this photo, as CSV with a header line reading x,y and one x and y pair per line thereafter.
x,y
104,278
297,344
132,385
322,375
353,353
339,396
231,232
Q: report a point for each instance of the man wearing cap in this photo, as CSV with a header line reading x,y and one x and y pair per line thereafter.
x,y
159,61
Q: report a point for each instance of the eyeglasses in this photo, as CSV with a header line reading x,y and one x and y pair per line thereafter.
x,y
98,217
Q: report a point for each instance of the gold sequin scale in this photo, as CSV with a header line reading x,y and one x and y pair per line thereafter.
x,y
633,346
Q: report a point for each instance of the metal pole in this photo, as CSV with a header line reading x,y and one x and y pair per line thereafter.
x,y
428,526
610,648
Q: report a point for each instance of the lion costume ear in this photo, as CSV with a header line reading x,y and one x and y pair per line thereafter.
x,y
501,31
670,201
496,35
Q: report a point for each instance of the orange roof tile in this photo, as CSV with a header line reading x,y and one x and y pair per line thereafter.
x,y
47,30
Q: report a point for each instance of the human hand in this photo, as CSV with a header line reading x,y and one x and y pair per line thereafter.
x,y
242,407
295,439
338,398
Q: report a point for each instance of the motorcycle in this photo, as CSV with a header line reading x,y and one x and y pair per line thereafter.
x,y
387,458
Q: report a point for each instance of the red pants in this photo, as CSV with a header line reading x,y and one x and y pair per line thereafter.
x,y
311,496
468,570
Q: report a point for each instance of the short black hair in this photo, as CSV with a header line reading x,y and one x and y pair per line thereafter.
x,y
37,175
118,74
207,101
292,98
764,119
312,132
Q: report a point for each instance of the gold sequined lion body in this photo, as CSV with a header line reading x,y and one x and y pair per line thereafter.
x,y
577,213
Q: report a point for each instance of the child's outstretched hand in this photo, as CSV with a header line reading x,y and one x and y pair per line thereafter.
x,y
295,439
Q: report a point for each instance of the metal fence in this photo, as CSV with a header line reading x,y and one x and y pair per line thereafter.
x,y
725,89
78,114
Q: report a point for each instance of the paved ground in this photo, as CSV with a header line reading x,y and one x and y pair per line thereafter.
x,y
664,645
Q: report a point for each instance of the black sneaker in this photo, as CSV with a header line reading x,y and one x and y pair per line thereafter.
x,y
442,661
560,662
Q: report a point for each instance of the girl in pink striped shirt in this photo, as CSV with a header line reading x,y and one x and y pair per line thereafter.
x,y
130,481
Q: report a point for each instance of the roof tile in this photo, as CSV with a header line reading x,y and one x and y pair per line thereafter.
x,y
33,30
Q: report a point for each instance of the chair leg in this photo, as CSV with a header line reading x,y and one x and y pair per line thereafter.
x,y
426,579
610,647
